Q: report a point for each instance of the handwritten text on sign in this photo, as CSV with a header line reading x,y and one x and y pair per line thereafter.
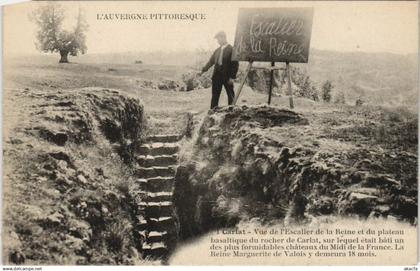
x,y
273,34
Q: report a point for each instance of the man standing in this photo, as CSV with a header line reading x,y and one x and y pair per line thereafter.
x,y
224,70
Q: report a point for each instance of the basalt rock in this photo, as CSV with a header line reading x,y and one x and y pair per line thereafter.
x,y
72,182
168,84
258,162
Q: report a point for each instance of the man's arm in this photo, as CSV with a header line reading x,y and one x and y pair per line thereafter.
x,y
209,63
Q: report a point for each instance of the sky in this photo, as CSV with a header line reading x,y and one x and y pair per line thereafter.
x,y
377,26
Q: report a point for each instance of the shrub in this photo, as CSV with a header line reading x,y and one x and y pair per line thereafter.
x,y
340,98
326,91
117,235
305,86
359,101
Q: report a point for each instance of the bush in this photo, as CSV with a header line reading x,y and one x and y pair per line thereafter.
x,y
117,235
326,91
359,101
306,87
340,98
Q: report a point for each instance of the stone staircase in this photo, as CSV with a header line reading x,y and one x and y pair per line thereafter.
x,y
156,225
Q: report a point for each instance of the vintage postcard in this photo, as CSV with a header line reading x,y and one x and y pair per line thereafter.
x,y
210,133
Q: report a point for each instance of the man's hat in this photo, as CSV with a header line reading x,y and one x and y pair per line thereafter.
x,y
220,34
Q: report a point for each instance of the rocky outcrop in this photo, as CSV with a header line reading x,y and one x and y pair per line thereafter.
x,y
271,163
168,84
194,81
68,164
190,81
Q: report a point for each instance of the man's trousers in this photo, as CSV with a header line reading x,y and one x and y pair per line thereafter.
x,y
216,89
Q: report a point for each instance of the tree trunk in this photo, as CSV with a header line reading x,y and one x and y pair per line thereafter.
x,y
64,54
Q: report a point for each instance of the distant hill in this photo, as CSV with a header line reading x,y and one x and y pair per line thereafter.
x,y
379,78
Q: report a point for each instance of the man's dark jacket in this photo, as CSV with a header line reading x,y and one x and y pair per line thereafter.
x,y
228,69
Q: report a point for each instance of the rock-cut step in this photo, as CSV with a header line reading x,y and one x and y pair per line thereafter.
x,y
164,138
155,171
155,249
159,196
157,209
157,236
159,148
155,196
156,184
158,160
162,223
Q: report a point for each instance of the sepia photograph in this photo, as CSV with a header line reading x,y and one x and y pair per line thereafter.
x,y
210,133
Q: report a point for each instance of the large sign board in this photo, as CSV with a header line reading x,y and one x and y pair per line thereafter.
x,y
273,34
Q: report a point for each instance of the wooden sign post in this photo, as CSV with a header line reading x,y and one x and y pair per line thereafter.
x,y
243,82
273,35
270,91
289,85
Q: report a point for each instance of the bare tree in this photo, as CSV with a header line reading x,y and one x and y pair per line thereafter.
x,y
51,37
